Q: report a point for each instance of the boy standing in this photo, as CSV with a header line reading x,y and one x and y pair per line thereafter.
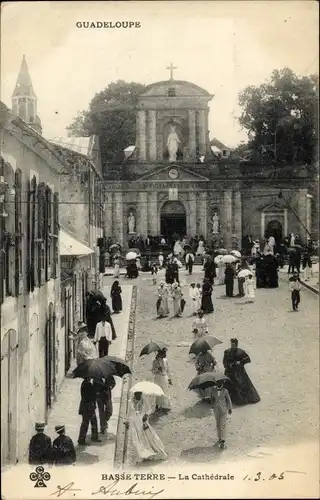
x,y
294,288
222,406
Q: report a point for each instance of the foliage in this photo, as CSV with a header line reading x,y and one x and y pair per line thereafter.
x,y
281,118
112,116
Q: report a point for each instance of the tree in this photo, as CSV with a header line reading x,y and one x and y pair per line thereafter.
x,y
112,116
281,118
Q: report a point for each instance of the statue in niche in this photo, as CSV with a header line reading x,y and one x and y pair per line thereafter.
x,y
173,142
215,223
131,223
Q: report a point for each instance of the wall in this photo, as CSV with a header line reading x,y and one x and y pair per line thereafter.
x,y
27,313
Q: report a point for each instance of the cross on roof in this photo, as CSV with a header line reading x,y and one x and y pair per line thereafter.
x,y
171,68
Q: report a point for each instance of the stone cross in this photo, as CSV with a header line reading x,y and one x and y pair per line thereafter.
x,y
171,68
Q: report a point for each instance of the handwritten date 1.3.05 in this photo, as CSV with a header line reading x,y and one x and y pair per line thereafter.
x,y
260,477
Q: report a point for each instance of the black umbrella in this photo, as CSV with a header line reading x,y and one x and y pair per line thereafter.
x,y
204,344
205,380
97,368
152,347
122,368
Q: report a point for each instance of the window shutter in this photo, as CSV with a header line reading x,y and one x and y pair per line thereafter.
x,y
55,235
17,230
48,231
2,239
33,235
41,233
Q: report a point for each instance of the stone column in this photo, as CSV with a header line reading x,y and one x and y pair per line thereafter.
x,y
142,134
203,214
192,133
302,214
192,219
227,217
142,222
152,138
153,213
237,216
108,214
202,132
118,217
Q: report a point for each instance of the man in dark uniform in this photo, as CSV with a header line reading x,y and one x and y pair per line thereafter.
x,y
87,410
39,447
63,451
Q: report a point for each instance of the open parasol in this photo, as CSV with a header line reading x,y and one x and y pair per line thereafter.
x,y
244,273
205,380
114,246
131,256
148,388
204,344
236,253
94,368
228,259
152,347
222,251
218,259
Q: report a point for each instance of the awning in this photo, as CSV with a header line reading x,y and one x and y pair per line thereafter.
x,y
70,246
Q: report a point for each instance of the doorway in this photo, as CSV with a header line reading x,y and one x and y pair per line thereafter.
x,y
68,327
274,228
173,221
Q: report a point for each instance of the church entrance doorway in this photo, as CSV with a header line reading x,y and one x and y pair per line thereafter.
x,y
173,221
274,228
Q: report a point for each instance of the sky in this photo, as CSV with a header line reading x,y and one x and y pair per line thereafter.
x,y
220,46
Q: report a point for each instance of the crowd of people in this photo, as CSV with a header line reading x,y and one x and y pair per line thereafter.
x,y
94,339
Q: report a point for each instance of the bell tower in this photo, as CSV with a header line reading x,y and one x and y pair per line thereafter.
x,y
24,99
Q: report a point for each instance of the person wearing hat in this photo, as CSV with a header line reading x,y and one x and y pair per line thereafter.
x,y
221,406
104,400
63,450
295,288
39,446
87,410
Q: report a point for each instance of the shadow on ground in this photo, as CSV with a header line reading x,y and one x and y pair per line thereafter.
x,y
198,410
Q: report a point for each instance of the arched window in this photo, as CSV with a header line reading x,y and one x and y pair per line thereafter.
x,y
55,235
18,277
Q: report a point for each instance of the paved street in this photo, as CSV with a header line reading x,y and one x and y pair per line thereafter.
x,y
283,346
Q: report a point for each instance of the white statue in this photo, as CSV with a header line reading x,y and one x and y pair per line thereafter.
x,y
215,223
131,223
173,144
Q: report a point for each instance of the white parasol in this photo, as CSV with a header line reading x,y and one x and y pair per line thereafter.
x,y
236,253
218,259
148,388
244,273
228,259
131,256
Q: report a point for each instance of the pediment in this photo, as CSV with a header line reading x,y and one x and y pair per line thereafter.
x,y
174,173
273,207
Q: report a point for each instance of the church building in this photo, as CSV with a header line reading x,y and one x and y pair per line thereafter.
x,y
171,182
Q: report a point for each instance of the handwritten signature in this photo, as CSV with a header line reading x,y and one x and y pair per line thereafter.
x,y
63,489
112,491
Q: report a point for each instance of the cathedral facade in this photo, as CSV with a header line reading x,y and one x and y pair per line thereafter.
x,y
173,184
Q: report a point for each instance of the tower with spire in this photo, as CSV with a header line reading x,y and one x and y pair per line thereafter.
x,y
24,99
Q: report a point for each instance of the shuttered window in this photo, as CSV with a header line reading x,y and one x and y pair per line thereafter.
x,y
32,234
18,272
55,235
40,238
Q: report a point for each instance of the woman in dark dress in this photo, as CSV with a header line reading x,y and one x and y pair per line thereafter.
x,y
115,295
229,279
206,300
240,387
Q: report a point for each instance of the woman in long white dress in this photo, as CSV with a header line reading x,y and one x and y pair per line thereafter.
x,y
85,348
178,250
221,273
249,287
116,272
176,300
162,377
145,440
162,302
200,249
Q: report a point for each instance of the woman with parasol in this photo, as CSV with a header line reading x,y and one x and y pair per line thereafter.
x,y
205,362
162,301
146,442
162,377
